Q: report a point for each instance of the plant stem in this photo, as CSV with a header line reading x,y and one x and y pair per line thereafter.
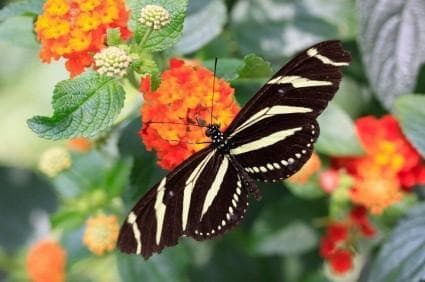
x,y
132,78
145,38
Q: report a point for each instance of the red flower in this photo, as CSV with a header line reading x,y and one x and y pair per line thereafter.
x,y
327,247
341,261
337,232
389,166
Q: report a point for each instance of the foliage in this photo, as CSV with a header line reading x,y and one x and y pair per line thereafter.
x,y
288,236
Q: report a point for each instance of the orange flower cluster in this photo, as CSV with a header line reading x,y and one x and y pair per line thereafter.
x,y
46,262
390,166
183,96
75,29
101,233
335,246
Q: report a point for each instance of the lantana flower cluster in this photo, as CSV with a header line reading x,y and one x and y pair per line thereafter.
x,y
390,166
183,97
336,247
76,29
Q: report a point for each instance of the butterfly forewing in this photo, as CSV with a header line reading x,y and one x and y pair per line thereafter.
x,y
273,135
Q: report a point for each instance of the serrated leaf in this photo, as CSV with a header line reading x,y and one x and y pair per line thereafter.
x,y
196,33
277,29
337,133
402,257
82,107
410,111
167,36
294,239
254,67
391,36
18,31
21,8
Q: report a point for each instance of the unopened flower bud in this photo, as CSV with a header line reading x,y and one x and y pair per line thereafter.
x,y
154,16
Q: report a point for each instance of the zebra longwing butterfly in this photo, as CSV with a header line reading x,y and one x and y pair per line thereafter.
x,y
269,140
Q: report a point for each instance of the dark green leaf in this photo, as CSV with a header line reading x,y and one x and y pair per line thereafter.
x,y
391,36
21,8
254,67
24,199
402,257
276,29
410,111
294,239
82,107
196,33
18,31
167,36
337,133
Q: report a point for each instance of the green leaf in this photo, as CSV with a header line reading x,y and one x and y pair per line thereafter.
x,y
391,36
254,67
251,67
294,239
18,31
402,257
82,107
113,36
276,29
171,265
337,133
167,36
21,8
410,111
227,68
196,33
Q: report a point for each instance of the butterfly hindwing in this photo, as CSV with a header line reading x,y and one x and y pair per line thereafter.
x,y
273,135
223,205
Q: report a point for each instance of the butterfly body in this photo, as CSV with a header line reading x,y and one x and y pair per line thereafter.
x,y
269,140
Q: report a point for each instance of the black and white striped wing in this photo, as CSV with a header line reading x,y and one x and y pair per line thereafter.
x,y
201,198
273,135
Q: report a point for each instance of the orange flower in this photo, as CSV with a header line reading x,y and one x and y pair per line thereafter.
x,y
101,233
81,144
389,165
75,29
310,167
46,262
376,192
183,96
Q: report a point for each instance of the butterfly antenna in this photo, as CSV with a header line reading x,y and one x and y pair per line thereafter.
x,y
213,89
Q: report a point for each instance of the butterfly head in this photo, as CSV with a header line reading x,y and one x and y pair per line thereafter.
x,y
212,130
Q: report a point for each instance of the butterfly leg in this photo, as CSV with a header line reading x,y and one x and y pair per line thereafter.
x,y
248,183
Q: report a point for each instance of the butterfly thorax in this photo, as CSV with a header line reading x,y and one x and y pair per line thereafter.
x,y
217,137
